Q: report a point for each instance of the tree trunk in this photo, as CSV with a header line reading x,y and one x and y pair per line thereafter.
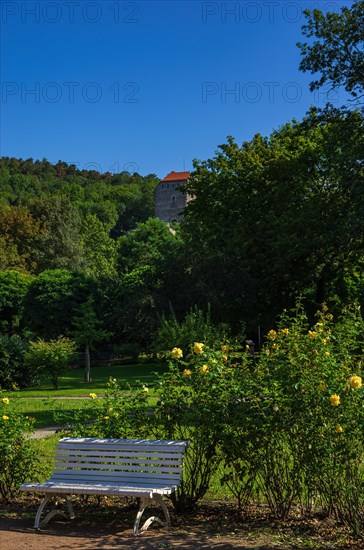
x,y
321,290
87,364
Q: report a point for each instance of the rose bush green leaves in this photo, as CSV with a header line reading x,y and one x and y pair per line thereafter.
x,y
17,460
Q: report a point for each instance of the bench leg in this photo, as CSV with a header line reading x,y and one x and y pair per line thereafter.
x,y
144,502
39,512
53,513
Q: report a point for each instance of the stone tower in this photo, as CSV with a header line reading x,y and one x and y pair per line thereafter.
x,y
169,201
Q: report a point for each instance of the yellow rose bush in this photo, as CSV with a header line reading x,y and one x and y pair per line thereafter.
x,y
194,399
312,414
17,459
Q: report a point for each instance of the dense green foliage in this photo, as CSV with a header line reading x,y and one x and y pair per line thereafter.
x,y
56,216
279,216
17,459
337,52
50,358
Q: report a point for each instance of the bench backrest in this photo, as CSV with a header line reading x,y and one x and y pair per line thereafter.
x,y
119,460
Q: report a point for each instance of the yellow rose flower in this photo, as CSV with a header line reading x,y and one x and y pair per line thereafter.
x,y
339,428
355,382
284,332
324,341
225,358
177,353
5,417
312,334
204,369
5,400
335,400
93,395
198,348
322,386
272,335
327,353
225,348
106,417
187,373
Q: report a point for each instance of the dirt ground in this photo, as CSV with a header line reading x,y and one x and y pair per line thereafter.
x,y
215,526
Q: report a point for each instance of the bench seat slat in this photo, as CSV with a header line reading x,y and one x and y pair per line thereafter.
x,y
121,447
117,459
92,474
83,488
158,468
148,443
178,456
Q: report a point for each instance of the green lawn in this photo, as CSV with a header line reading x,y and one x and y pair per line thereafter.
x,y
43,402
72,384
44,408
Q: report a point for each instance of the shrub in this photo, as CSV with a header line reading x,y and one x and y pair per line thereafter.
x,y
119,414
197,326
50,358
193,403
13,371
17,460
312,404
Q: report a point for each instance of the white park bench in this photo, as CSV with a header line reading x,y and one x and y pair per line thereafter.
x,y
142,468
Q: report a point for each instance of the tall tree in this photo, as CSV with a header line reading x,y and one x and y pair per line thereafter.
x,y
53,299
59,245
87,332
99,248
13,289
277,217
19,232
338,48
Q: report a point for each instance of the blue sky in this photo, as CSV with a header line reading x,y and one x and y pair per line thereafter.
x,y
150,85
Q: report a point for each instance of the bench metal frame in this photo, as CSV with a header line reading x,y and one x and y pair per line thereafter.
x,y
142,468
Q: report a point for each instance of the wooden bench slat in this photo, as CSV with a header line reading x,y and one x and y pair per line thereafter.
x,y
102,489
139,447
116,453
103,465
118,457
120,442
93,474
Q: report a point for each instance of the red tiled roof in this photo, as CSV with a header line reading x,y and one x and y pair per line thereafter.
x,y
177,176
